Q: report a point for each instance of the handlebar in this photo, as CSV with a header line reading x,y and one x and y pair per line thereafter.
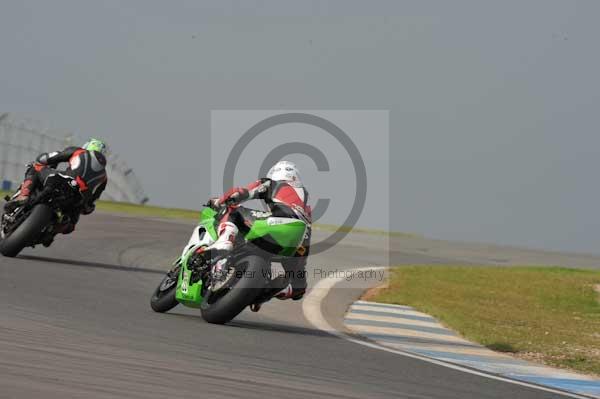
x,y
233,199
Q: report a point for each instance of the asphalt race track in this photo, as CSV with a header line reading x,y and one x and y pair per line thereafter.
x,y
76,322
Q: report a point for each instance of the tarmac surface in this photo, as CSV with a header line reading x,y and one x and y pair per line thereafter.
x,y
76,321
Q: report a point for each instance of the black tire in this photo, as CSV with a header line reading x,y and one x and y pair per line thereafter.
x,y
164,300
28,232
254,272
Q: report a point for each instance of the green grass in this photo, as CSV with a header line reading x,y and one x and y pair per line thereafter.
x,y
141,210
175,213
545,314
333,228
147,210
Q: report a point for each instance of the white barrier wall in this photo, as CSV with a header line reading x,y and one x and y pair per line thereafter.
x,y
21,142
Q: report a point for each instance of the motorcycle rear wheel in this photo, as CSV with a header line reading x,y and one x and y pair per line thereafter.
x,y
28,232
251,279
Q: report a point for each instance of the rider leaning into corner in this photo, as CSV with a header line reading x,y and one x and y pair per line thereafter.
x,y
285,196
86,164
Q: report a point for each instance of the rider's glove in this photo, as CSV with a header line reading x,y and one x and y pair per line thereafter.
x,y
35,165
88,208
214,203
234,195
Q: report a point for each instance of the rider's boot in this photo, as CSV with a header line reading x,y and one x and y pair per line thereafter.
x,y
21,198
48,240
287,293
224,244
255,307
290,293
217,253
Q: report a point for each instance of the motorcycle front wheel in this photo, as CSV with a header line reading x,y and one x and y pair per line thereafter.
x,y
163,298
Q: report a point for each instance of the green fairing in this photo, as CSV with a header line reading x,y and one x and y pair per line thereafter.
x,y
190,294
288,235
208,220
187,293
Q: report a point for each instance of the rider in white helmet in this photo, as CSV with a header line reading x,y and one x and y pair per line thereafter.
x,y
285,196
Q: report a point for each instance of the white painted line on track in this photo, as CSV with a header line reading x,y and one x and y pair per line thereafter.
x,y
311,307
398,312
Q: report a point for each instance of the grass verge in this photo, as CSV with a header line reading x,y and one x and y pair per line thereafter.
x,y
141,210
147,210
176,213
546,314
334,228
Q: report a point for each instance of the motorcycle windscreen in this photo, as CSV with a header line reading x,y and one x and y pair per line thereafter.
x,y
208,219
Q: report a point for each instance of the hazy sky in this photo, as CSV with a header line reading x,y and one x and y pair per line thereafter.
x,y
494,106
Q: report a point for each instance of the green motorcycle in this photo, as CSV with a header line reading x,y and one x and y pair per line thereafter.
x,y
223,287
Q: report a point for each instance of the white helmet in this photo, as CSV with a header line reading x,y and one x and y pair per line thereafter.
x,y
285,171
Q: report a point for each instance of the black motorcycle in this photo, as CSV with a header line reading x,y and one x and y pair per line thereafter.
x,y
46,213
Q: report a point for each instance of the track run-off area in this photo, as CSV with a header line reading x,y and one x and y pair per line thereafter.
x,y
76,321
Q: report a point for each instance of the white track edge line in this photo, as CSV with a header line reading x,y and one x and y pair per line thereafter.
x,y
311,308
